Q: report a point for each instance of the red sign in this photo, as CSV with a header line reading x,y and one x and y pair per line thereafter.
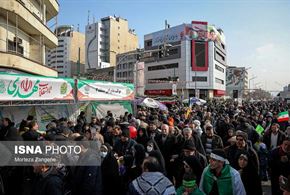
x,y
199,49
165,92
219,93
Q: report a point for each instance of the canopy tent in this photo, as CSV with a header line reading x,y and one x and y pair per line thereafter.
x,y
194,100
151,103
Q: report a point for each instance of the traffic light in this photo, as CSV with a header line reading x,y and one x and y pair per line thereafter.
x,y
167,51
161,52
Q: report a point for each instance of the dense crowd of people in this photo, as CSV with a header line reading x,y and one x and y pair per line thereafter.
x,y
203,149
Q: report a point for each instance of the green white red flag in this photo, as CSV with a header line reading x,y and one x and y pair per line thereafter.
x,y
283,116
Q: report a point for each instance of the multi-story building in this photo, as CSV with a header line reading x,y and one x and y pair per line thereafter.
x,y
25,37
186,60
69,57
285,94
236,82
129,69
106,39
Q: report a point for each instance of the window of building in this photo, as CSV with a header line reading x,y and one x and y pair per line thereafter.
x,y
12,46
223,46
199,78
60,41
60,56
124,66
219,68
59,61
130,73
161,67
148,43
200,54
220,81
219,57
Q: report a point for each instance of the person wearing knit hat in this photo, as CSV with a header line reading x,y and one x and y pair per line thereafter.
x,y
220,178
242,134
242,145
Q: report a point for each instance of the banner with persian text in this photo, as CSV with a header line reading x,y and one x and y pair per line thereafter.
x,y
101,90
27,87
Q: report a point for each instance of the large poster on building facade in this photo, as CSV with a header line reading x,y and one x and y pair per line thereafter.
x,y
15,87
101,90
235,77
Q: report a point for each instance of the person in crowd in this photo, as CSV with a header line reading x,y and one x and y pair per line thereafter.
x,y
285,184
152,181
279,164
233,152
249,175
96,133
274,137
211,141
153,150
8,131
87,177
246,127
82,117
123,146
188,135
189,186
152,130
166,144
219,178
142,136
229,134
110,171
32,134
48,180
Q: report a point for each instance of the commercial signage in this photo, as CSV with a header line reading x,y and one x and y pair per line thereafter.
x,y
197,30
27,87
169,35
99,90
166,92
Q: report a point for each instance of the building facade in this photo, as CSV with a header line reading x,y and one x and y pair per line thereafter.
x,y
129,69
186,60
69,57
106,39
102,74
25,36
236,82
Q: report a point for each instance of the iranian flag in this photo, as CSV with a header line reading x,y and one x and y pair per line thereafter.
x,y
283,116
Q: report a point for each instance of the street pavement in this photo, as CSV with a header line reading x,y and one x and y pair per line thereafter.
x,y
266,185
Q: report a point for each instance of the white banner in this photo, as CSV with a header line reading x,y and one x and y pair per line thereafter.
x,y
27,87
98,90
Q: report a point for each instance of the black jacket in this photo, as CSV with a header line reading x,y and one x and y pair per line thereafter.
x,y
49,183
267,139
88,179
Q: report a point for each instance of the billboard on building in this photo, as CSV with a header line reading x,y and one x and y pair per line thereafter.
x,y
235,77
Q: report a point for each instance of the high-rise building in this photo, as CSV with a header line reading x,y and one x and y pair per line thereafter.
x,y
106,39
25,36
69,57
236,82
186,60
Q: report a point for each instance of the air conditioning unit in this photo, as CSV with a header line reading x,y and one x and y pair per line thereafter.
x,y
18,40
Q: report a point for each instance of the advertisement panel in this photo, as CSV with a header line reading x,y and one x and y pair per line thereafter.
x,y
100,90
169,35
26,87
235,77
